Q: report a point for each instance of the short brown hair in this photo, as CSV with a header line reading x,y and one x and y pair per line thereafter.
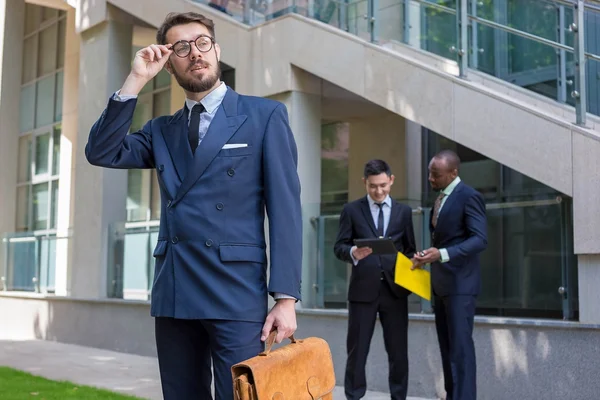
x,y
174,19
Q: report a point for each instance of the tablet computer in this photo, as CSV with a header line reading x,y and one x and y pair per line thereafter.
x,y
379,246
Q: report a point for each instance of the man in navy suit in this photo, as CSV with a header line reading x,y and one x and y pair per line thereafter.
x,y
222,161
458,234
372,288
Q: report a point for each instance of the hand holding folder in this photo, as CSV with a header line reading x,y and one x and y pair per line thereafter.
x,y
417,281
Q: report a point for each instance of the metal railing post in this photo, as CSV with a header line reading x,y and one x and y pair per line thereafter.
x,y
580,93
373,23
462,20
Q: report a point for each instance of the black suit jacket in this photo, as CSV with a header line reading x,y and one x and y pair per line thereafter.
x,y
462,230
356,222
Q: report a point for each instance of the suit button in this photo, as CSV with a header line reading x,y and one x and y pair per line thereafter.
x,y
175,240
219,206
208,243
169,204
231,172
161,167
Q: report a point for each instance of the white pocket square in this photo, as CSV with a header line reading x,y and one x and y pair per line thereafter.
x,y
234,145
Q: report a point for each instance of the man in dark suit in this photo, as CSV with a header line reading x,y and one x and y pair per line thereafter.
x,y
221,161
458,234
372,289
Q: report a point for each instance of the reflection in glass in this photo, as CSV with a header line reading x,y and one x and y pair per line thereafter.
x,y
27,108
29,67
56,135
42,149
138,195
24,173
41,197
44,107
59,96
54,209
47,50
22,220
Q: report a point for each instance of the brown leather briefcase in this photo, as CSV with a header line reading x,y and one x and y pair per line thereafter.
x,y
300,370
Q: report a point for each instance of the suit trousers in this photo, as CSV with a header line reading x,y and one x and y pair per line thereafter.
x,y
186,347
454,317
393,314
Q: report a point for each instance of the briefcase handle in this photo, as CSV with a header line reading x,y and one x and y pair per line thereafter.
x,y
271,340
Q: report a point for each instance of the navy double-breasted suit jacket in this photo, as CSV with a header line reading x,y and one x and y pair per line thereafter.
x,y
211,259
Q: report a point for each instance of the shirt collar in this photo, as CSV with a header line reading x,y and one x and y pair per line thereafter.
x,y
450,188
211,101
387,200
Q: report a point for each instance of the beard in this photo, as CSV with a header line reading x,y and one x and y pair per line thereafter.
x,y
199,84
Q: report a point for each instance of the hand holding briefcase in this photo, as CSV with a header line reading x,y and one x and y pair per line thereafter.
x,y
300,370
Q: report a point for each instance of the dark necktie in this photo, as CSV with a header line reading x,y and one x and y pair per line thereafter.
x,y
194,128
436,209
380,220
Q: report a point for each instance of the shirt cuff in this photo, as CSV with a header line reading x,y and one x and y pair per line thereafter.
x,y
354,260
444,255
118,97
278,296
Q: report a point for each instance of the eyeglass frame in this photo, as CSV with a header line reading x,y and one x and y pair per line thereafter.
x,y
195,41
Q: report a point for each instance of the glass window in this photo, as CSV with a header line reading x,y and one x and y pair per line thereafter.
x,y
40,206
335,142
24,174
29,57
47,50
142,113
44,110
56,150
49,13
54,203
27,108
32,18
138,195
42,154
59,96
155,210
22,222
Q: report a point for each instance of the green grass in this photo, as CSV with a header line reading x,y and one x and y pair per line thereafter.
x,y
17,385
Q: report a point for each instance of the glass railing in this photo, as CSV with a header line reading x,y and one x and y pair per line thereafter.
x,y
547,46
29,262
528,268
131,264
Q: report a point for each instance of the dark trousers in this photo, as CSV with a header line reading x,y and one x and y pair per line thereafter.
x,y
454,324
186,347
393,314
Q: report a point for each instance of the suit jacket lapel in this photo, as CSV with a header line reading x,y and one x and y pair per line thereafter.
x,y
175,135
224,125
367,213
394,217
449,203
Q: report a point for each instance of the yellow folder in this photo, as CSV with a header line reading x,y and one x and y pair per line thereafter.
x,y
417,281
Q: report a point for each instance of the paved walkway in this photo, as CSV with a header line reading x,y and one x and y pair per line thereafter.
x,y
120,372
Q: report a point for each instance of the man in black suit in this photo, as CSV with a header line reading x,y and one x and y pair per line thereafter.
x,y
458,234
372,289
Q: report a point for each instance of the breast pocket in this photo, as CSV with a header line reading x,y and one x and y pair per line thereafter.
x,y
235,152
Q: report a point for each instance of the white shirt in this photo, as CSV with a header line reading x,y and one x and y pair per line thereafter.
x,y
387,212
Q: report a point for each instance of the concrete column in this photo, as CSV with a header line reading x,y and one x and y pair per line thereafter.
x,y
415,175
380,137
304,110
68,145
100,194
586,230
12,18
589,296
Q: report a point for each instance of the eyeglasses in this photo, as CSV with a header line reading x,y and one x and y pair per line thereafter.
x,y
183,48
